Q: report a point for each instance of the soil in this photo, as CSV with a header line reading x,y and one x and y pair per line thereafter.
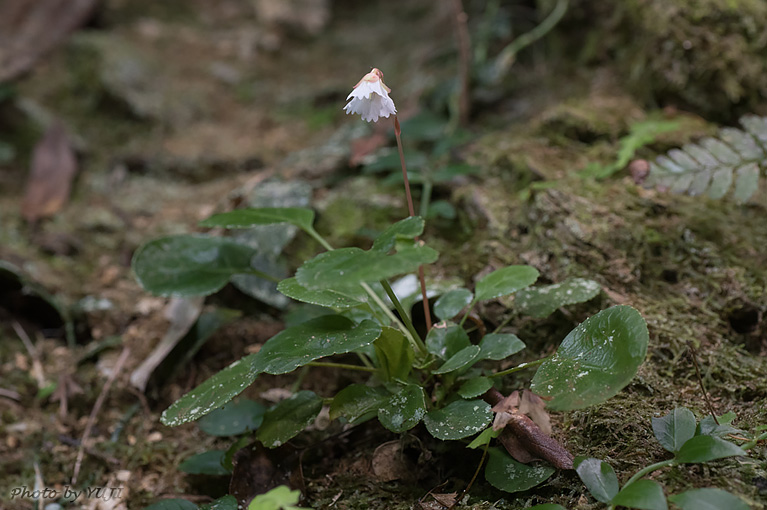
x,y
177,110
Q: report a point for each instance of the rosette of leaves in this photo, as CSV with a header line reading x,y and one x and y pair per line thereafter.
x,y
732,160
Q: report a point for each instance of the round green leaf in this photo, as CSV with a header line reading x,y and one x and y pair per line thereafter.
x,y
244,218
707,448
172,504
475,387
289,417
674,429
452,302
409,228
205,463
402,411
213,393
540,302
498,346
323,297
189,265
508,475
348,267
316,338
357,403
394,353
642,494
445,339
459,360
708,499
505,281
232,419
595,361
598,477
458,419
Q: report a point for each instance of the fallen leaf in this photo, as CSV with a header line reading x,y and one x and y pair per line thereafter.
x,y
50,178
533,406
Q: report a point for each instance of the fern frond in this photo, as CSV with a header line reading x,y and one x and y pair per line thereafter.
x,y
714,164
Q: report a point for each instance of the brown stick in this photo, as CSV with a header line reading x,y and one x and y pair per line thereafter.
x,y
522,431
694,356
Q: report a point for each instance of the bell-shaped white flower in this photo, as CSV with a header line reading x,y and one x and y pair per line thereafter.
x,y
370,98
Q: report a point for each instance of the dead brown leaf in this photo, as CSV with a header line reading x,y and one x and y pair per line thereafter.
x,y
31,28
50,178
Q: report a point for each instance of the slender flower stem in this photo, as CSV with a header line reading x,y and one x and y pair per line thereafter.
x,y
649,469
415,341
519,367
411,211
753,442
313,233
400,309
328,364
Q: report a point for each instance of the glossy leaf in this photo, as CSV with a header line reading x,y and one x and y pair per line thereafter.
x,y
462,359
189,265
598,477
445,339
642,494
475,387
322,297
540,302
289,417
358,402
452,302
505,281
508,475
402,411
595,361
205,463
244,218
395,354
708,499
233,418
348,267
674,429
459,419
214,392
227,502
498,346
707,448
409,228
317,338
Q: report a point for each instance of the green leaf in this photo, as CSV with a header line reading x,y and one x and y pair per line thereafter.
x,y
445,339
279,498
674,429
459,419
402,411
708,499
227,502
508,475
213,393
317,338
348,267
475,387
462,359
451,303
498,346
598,477
322,297
189,265
172,504
709,427
595,361
244,218
289,417
409,228
484,438
205,463
233,419
358,402
707,448
746,182
540,302
642,494
395,354
505,281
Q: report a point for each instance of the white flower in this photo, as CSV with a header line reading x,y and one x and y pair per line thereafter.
x,y
370,98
